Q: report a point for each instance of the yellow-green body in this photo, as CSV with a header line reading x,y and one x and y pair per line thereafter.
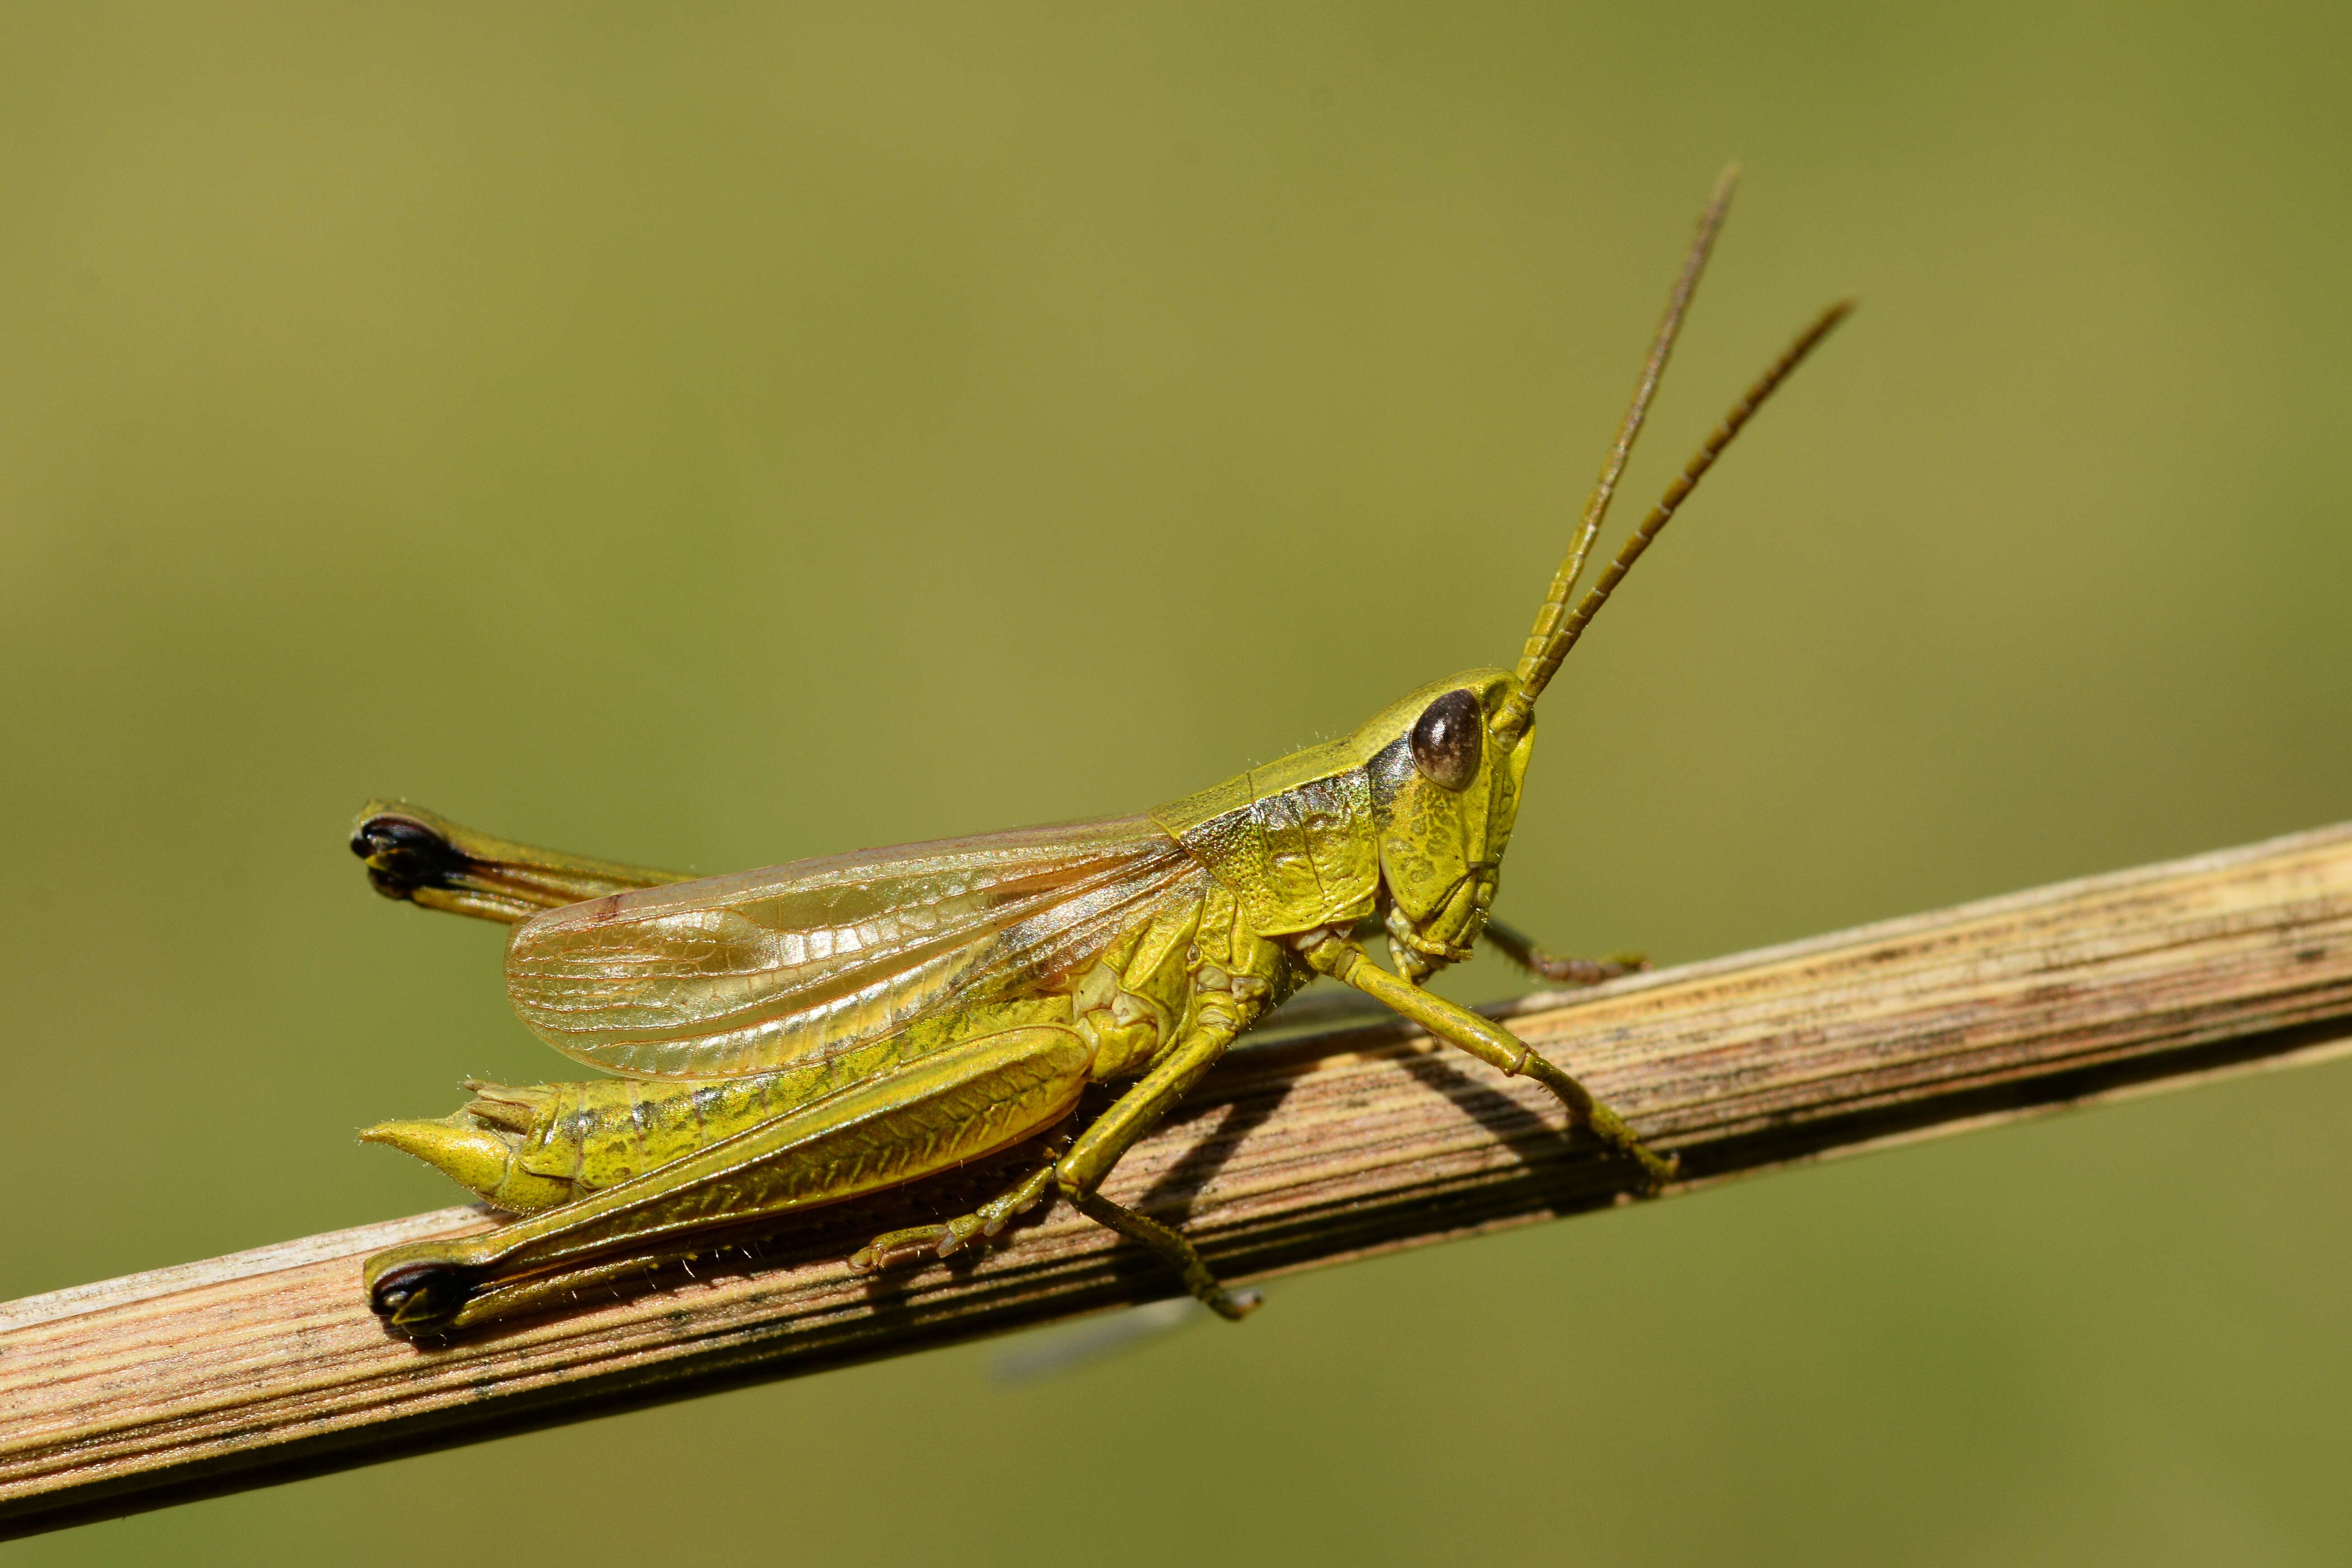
x,y
1323,838
527,1149
805,1035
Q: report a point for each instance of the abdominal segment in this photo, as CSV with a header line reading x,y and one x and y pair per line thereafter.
x,y
961,1103
527,1150
531,1148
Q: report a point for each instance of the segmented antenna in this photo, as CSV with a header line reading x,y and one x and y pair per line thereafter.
x,y
1556,628
1688,480
1539,662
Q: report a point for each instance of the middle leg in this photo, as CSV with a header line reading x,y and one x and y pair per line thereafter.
x,y
1081,1172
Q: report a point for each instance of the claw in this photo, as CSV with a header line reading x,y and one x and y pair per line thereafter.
x,y
894,1247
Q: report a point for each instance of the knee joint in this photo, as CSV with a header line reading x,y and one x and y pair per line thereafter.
x,y
1073,1182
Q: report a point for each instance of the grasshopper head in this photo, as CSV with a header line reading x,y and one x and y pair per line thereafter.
x,y
1445,791
1448,760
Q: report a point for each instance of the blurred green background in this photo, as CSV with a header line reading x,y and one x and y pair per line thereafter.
x,y
713,436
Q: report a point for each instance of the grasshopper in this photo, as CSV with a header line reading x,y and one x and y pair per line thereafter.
x,y
803,1035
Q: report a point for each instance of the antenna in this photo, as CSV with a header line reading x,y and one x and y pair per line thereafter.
x,y
1534,673
1688,480
1555,631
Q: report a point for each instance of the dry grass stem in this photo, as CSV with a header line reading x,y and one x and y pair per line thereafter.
x,y
1350,1138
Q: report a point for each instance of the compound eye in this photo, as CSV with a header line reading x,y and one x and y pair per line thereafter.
x,y
1447,738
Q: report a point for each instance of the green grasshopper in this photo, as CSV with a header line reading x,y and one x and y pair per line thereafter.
x,y
806,1034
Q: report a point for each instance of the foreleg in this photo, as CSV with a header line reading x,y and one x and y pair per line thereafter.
x,y
1330,953
1520,948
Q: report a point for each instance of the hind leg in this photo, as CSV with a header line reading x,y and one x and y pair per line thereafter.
x,y
425,859
964,1102
920,1242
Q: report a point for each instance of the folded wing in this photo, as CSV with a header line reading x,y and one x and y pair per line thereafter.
x,y
760,970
